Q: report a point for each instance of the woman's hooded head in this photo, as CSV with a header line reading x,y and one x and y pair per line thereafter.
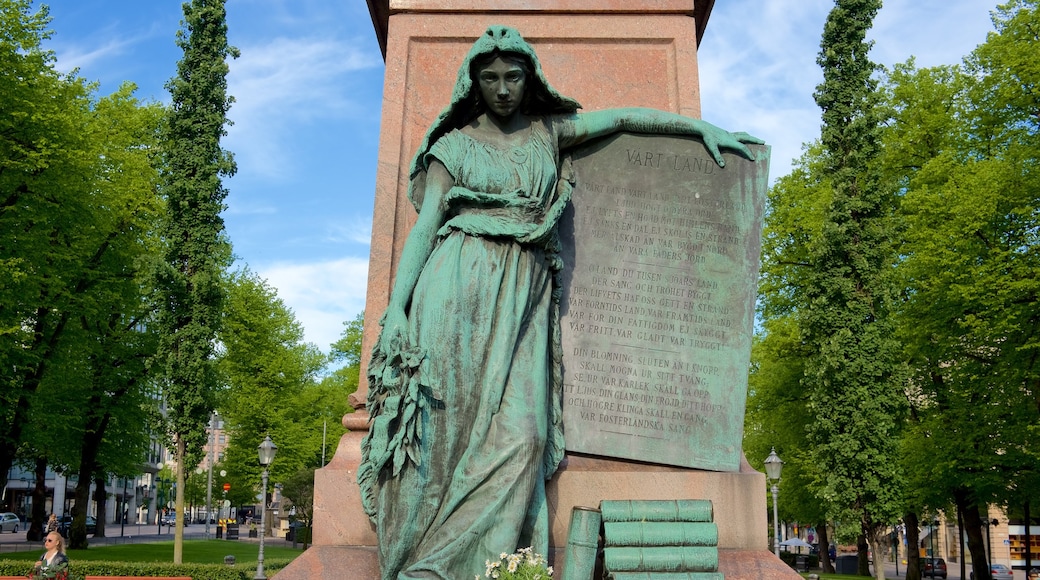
x,y
466,104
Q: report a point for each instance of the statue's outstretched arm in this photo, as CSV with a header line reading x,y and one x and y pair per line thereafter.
x,y
578,128
417,249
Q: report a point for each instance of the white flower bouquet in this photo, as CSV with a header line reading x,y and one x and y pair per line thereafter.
x,y
525,564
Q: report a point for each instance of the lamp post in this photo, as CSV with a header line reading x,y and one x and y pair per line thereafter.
x,y
989,538
933,525
266,451
211,458
773,467
160,497
224,487
195,507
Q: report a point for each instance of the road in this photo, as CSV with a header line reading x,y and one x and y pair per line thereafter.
x,y
953,570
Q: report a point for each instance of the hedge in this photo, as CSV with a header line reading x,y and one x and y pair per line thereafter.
x,y
197,571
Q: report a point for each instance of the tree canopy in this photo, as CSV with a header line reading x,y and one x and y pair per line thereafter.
x,y
908,234
77,208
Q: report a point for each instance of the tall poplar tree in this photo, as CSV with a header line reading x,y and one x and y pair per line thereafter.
x,y
190,294
854,388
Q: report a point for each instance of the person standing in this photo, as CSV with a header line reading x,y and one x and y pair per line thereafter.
x,y
53,564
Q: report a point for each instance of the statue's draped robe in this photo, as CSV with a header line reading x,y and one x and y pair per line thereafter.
x,y
483,333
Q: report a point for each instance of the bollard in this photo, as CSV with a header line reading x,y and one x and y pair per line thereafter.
x,y
579,562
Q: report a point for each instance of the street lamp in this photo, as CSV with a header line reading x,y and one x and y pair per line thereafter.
x,y
209,460
266,450
160,497
932,541
989,537
773,467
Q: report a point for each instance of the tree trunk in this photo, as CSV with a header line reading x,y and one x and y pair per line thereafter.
x,y
862,563
78,529
973,529
877,546
825,548
39,502
101,497
87,467
42,347
178,529
913,540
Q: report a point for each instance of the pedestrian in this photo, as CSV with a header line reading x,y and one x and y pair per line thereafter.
x,y
52,524
53,564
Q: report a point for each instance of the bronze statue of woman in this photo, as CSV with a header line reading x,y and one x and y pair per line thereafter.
x,y
465,384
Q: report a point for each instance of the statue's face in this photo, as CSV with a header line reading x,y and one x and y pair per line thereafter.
x,y
502,84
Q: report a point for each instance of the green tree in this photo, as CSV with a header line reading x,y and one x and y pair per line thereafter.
x,y
345,355
272,389
777,416
45,175
190,294
778,412
852,372
78,208
969,138
114,315
299,489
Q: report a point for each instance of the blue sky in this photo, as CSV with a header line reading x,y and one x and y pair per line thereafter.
x,y
308,90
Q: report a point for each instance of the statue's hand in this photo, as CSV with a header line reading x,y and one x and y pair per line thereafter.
x,y
716,139
395,329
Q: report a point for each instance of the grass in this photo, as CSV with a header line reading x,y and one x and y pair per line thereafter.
x,y
195,552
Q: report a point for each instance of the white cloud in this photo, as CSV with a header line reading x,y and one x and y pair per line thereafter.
x,y
758,70
71,56
323,295
358,231
758,66
283,83
238,206
935,32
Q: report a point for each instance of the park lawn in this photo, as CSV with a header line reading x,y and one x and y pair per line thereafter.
x,y
195,551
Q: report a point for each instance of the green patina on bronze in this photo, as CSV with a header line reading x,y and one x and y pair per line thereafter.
x,y
659,299
465,380
659,540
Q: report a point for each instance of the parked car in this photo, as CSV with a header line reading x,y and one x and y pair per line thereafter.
x,y
170,519
10,522
933,568
998,572
65,522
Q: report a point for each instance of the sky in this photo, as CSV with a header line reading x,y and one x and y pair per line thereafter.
x,y
308,91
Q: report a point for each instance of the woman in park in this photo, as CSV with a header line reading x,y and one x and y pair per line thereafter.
x,y
52,524
53,564
465,380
